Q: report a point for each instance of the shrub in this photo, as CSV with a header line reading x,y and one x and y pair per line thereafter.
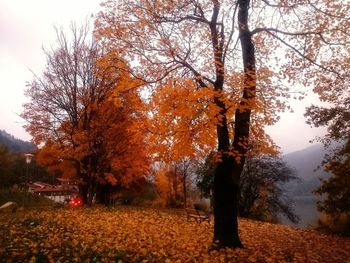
x,y
339,225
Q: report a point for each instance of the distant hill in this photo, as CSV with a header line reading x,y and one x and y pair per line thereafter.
x,y
307,164
15,145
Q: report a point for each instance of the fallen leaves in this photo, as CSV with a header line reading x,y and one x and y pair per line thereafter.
x,y
149,235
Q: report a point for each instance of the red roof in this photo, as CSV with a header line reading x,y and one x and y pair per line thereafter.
x,y
39,187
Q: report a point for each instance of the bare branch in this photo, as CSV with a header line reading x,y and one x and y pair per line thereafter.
x,y
282,5
258,30
163,19
303,56
231,33
306,33
324,12
199,77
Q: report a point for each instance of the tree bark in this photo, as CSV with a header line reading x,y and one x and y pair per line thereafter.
x,y
185,191
228,171
83,190
225,205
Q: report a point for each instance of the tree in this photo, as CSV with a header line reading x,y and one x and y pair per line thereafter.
x,y
337,188
15,171
261,187
15,145
174,182
168,183
7,177
185,169
205,175
206,42
85,115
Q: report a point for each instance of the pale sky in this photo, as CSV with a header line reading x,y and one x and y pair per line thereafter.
x,y
27,25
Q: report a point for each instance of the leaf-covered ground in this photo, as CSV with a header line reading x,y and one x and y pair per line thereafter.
x,y
148,235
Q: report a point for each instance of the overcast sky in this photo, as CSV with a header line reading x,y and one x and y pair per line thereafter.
x,y
27,25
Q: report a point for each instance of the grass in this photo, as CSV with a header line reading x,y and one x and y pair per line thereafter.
x,y
126,234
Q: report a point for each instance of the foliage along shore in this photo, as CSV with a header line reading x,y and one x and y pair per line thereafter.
x,y
125,234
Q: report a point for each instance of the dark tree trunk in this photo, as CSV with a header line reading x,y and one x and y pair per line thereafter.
x,y
225,191
225,205
228,171
83,190
184,174
102,194
185,191
91,190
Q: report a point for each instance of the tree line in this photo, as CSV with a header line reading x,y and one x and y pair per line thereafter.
x,y
15,145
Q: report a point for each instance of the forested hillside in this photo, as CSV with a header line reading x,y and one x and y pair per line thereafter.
x,y
15,145
13,167
307,164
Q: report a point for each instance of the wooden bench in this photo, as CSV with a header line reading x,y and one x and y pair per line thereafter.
x,y
197,215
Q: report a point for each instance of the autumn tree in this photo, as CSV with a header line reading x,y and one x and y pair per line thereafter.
x,y
81,110
186,170
169,185
173,182
261,187
227,49
7,176
336,189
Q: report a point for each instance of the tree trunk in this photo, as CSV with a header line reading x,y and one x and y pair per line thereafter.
x,y
226,205
184,190
83,190
90,188
228,171
103,194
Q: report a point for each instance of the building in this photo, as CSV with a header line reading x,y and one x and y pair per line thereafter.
x,y
60,193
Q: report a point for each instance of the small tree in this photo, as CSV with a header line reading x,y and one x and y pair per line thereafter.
x,y
173,183
336,189
83,112
261,196
6,173
13,170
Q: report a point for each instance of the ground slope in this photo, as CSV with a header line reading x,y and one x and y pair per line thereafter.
x,y
148,235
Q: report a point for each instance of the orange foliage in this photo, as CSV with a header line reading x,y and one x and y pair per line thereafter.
x,y
169,184
87,114
51,157
183,120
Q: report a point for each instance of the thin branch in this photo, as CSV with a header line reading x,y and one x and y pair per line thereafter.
x,y
258,30
307,33
231,33
303,56
199,77
163,19
283,6
324,12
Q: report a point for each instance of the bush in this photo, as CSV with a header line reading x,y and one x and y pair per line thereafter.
x,y
335,225
201,206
